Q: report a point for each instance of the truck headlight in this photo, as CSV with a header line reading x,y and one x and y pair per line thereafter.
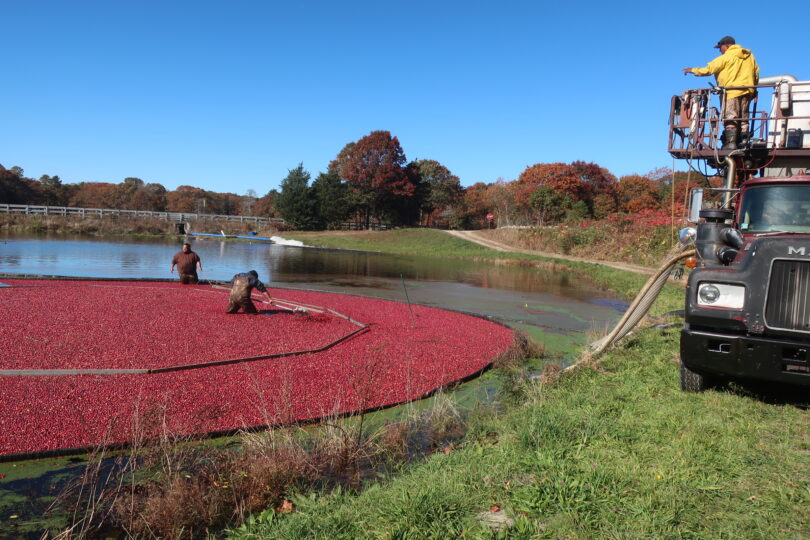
x,y
721,295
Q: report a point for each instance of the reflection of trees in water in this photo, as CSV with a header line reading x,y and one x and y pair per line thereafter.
x,y
529,279
130,259
11,260
294,262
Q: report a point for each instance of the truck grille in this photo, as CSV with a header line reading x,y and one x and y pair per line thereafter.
x,y
788,305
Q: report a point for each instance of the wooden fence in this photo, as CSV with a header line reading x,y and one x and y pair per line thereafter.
x,y
178,217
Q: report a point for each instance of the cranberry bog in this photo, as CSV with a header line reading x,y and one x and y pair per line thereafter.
x,y
84,361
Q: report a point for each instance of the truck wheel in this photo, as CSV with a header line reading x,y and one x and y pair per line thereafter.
x,y
692,381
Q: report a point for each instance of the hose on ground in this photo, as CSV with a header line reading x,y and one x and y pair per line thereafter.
x,y
641,304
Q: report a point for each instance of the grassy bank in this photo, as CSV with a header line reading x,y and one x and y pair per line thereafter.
x,y
635,242
613,451
428,242
642,240
609,450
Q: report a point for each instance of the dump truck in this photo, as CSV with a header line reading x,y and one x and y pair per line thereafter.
x,y
747,313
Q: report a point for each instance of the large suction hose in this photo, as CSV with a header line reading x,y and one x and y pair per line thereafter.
x,y
641,305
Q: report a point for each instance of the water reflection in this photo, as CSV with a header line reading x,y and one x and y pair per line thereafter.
x,y
10,260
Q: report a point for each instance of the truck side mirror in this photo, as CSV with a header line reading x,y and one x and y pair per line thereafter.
x,y
687,236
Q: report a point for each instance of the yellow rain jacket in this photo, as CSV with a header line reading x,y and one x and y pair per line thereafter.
x,y
735,67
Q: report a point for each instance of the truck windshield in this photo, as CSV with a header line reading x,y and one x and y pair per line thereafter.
x,y
776,208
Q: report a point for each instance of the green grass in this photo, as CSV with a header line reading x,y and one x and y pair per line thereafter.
x,y
615,450
400,241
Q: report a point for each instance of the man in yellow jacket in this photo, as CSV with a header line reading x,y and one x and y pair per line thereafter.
x,y
734,67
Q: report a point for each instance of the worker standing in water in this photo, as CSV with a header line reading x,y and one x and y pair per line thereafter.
x,y
187,263
734,67
243,285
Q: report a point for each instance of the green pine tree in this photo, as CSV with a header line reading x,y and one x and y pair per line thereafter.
x,y
296,203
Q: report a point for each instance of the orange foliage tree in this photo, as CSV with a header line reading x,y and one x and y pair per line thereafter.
x,y
150,197
15,188
637,193
266,206
600,188
474,207
544,186
560,177
94,195
185,199
374,169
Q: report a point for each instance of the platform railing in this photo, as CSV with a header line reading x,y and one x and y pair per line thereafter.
x,y
695,120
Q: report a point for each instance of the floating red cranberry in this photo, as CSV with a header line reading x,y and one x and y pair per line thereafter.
x,y
118,325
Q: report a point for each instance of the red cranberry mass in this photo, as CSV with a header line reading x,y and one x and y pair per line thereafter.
x,y
102,329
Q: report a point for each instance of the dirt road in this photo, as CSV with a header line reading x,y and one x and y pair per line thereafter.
x,y
478,238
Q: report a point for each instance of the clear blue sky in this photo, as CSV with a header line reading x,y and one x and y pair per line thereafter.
x,y
228,96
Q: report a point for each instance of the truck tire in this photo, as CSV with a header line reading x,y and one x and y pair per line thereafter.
x,y
692,381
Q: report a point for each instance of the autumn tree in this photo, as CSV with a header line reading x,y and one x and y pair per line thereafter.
x,y
15,188
228,204
131,194
52,191
184,199
125,192
266,206
402,208
601,193
295,202
151,197
374,168
637,193
563,179
338,165
501,197
474,207
558,176
94,195
439,189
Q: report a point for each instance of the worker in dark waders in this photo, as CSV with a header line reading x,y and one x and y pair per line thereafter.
x,y
243,285
187,263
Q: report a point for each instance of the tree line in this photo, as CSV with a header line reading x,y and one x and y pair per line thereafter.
x,y
371,181
130,194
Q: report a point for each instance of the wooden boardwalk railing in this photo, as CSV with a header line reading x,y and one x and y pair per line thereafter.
x,y
179,217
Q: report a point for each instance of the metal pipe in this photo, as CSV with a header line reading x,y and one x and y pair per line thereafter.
x,y
777,79
732,169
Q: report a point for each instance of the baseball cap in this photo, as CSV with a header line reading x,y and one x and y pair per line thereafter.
x,y
728,40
